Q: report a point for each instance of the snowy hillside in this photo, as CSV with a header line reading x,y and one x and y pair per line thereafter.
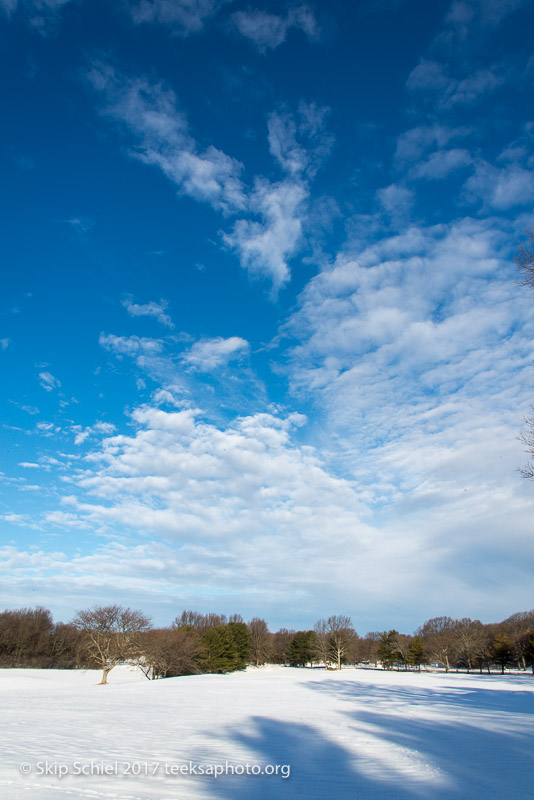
x,y
360,734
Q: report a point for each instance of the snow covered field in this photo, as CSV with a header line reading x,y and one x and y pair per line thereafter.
x,y
360,734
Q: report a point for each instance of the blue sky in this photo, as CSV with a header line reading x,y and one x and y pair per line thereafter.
x,y
261,342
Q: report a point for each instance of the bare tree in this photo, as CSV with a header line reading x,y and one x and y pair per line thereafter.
x,y
259,640
168,652
340,634
366,648
25,637
333,637
321,643
438,635
519,628
280,642
470,637
201,622
111,634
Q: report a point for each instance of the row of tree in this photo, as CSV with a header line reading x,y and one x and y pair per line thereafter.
x,y
103,636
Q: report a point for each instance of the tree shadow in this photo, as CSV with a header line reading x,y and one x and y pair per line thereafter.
x,y
517,700
479,739
396,742
319,768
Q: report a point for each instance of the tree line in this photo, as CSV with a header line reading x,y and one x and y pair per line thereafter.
x,y
104,636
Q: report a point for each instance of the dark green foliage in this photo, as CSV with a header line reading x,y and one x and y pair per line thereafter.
x,y
299,653
241,638
502,651
416,653
388,649
219,650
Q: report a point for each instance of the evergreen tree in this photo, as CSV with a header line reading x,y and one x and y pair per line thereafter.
x,y
299,652
241,638
502,651
388,650
220,653
416,653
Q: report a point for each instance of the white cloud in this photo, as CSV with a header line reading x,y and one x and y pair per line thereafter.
x,y
502,188
150,114
417,321
441,163
63,520
268,31
23,520
48,382
397,201
211,354
4,344
152,309
244,515
419,355
130,345
39,13
462,16
433,76
307,125
81,225
265,247
182,17
412,144
82,434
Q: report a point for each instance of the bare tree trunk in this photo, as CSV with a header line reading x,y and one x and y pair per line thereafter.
x,y
106,670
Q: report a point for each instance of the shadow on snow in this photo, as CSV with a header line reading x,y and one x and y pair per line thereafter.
x,y
405,743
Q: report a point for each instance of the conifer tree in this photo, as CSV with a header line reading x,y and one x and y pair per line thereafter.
x,y
240,635
388,650
299,652
416,653
502,650
220,653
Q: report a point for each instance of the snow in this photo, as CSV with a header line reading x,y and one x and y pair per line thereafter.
x,y
360,734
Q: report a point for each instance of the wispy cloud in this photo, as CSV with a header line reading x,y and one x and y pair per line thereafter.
x,y
397,202
441,163
265,247
182,17
268,31
130,345
269,230
98,429
467,23
450,91
150,115
300,142
48,382
152,309
42,15
380,365
81,225
209,354
500,188
412,144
